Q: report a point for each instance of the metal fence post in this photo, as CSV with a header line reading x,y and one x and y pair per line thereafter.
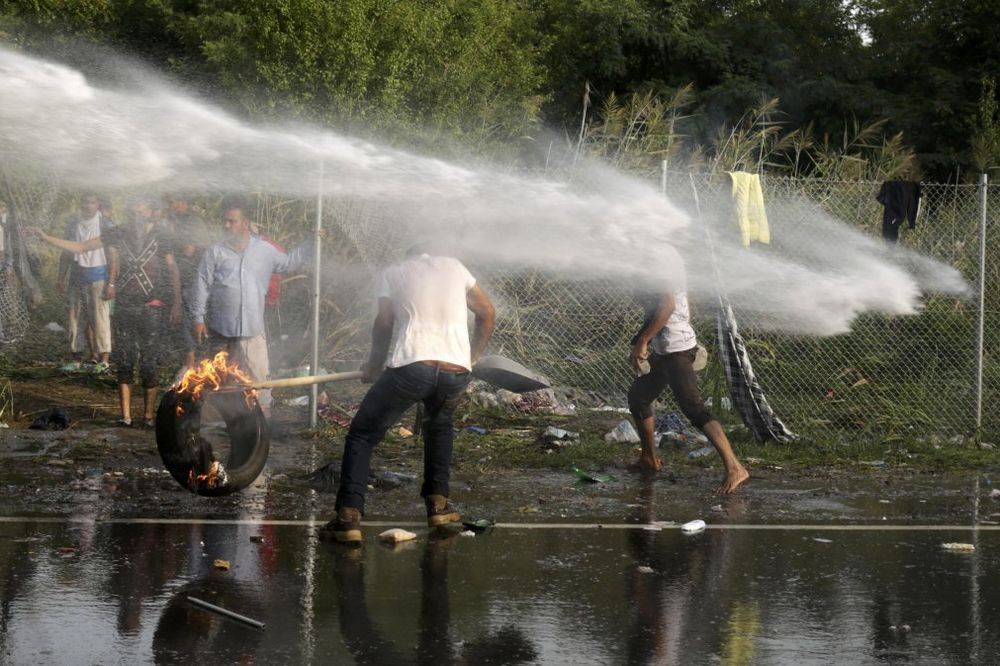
x,y
317,282
980,292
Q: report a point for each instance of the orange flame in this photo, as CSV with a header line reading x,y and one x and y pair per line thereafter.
x,y
207,480
213,374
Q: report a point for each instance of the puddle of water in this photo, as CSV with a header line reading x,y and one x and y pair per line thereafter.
x,y
117,593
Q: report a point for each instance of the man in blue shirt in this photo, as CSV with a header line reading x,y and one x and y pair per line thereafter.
x,y
232,283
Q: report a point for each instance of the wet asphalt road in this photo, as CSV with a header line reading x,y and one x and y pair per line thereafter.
x,y
100,551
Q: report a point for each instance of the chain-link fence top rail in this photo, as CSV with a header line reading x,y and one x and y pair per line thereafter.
x,y
890,377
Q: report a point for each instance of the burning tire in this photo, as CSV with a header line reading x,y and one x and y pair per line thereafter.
x,y
189,457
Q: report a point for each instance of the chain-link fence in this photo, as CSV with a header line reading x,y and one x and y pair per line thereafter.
x,y
891,377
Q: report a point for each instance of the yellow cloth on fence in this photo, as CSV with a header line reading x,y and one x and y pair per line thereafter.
x,y
748,200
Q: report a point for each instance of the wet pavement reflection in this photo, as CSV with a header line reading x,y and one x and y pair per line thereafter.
x,y
103,591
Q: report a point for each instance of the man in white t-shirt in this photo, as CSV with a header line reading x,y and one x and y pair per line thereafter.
x,y
83,277
667,329
426,298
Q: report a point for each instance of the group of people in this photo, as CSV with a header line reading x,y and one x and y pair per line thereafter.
x,y
162,274
157,283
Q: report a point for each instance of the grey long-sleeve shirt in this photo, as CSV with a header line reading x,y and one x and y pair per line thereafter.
x,y
232,286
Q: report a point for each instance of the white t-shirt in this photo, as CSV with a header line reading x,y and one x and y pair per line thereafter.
x,y
428,297
678,334
85,231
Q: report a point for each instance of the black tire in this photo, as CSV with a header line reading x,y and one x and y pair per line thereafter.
x,y
186,454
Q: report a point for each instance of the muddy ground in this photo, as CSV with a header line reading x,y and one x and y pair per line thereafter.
x,y
505,473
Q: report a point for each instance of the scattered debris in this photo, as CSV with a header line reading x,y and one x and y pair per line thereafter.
x,y
396,535
693,527
405,433
995,493
726,403
591,478
300,401
53,326
476,429
467,533
623,432
387,479
544,401
959,547
702,452
54,419
822,540
228,613
643,569
556,438
221,565
256,538
481,525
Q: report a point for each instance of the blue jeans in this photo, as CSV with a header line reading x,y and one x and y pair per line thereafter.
x,y
395,391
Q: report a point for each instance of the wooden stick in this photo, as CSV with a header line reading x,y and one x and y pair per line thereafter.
x,y
301,381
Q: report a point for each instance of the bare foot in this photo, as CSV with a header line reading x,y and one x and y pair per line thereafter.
x,y
734,479
647,464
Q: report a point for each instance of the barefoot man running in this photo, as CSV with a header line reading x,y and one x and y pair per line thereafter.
x,y
670,361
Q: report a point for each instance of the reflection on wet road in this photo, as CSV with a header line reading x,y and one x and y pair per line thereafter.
x,y
116,592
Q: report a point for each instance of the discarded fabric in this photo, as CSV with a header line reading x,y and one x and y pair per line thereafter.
x,y
55,419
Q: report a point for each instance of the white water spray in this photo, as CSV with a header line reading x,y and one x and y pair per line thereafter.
x,y
607,225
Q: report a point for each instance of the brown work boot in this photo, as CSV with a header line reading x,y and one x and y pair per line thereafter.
x,y
345,528
439,512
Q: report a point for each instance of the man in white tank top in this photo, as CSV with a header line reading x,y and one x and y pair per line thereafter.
x,y
426,299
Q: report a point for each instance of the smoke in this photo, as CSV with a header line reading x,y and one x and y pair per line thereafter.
x,y
145,133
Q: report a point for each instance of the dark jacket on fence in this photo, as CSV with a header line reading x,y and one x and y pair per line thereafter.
x,y
901,201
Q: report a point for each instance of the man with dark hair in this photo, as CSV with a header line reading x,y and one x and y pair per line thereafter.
x,y
667,329
426,299
145,283
83,276
227,305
